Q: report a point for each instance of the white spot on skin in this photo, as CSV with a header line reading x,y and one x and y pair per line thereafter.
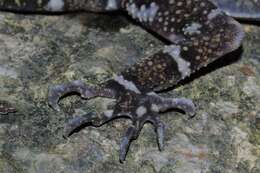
x,y
127,84
140,111
154,108
108,113
111,5
176,38
143,14
132,10
151,94
214,13
55,5
152,11
183,66
192,29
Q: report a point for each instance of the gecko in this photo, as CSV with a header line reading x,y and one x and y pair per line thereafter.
x,y
198,33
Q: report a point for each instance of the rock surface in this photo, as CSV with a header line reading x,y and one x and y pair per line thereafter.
x,y
37,51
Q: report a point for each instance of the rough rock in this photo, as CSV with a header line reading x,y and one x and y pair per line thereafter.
x,y
37,51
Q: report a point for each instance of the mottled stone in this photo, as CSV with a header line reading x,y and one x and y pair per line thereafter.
x,y
38,51
257,121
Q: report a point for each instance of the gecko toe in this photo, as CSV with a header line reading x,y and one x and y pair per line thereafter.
x,y
131,134
77,122
160,129
54,96
76,87
123,149
91,118
187,106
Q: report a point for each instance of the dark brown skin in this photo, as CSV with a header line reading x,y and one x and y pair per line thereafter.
x,y
35,6
198,32
6,108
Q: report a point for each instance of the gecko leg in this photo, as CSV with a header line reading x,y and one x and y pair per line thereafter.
x,y
85,91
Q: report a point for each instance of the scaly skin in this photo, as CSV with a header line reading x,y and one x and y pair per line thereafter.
x,y
199,34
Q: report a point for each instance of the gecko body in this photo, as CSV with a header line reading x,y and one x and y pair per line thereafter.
x,y
198,32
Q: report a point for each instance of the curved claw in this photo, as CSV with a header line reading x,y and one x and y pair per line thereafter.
x,y
91,117
56,92
186,105
183,104
85,91
77,122
123,149
53,98
131,134
160,129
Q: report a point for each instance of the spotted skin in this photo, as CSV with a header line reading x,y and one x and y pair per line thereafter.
x,y
155,71
201,31
198,32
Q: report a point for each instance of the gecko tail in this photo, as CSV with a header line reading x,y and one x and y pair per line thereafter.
x,y
58,6
29,6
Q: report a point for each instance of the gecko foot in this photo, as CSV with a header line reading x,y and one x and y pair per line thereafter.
x,y
139,107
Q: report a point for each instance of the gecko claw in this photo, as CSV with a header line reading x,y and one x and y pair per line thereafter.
x,y
77,122
53,101
85,91
123,149
91,118
58,91
131,134
186,105
160,129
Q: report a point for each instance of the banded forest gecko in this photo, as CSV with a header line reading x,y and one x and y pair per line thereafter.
x,y
198,33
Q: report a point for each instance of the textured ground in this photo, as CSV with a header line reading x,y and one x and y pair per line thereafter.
x,y
39,51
